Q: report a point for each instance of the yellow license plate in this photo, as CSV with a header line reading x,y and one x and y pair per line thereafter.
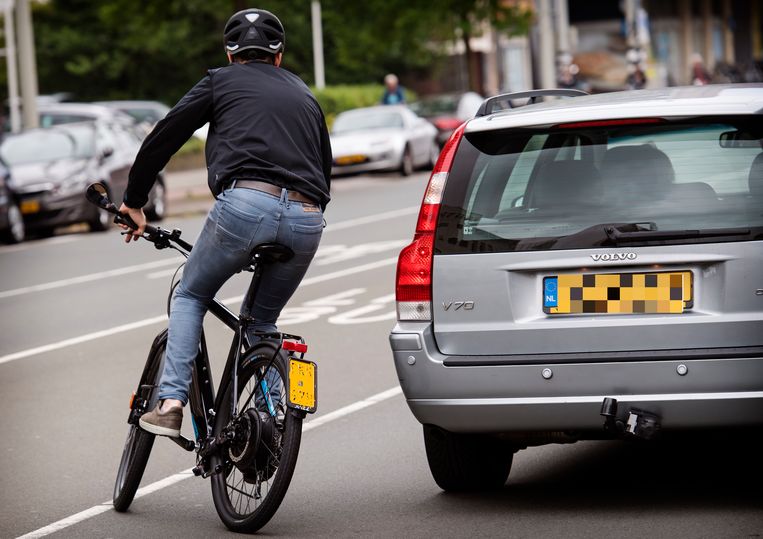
x,y
618,293
303,388
350,159
29,206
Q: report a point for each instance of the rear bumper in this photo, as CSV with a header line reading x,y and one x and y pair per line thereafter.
x,y
714,392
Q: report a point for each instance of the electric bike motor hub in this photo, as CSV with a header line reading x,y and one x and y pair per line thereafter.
x,y
255,443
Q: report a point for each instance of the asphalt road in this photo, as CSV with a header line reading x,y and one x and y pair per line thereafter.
x,y
78,314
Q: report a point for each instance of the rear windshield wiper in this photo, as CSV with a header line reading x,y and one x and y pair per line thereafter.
x,y
636,232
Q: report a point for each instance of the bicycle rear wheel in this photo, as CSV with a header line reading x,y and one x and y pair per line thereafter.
x,y
139,442
258,465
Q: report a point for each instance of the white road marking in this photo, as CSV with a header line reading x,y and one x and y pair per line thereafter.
x,y
185,474
91,277
351,409
327,254
358,316
350,223
29,244
82,338
155,319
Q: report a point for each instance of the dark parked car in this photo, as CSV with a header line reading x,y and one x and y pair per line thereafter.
x,y
52,167
11,221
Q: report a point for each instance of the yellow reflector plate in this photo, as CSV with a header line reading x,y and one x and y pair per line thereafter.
x,y
302,385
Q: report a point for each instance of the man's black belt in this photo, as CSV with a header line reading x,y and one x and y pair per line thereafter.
x,y
271,189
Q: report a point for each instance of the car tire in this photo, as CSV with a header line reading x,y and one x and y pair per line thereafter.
x,y
16,231
406,163
434,154
157,209
467,462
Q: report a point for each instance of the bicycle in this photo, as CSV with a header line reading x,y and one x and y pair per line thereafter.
x,y
248,432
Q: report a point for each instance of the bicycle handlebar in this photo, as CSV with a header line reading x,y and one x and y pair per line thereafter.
x,y
97,194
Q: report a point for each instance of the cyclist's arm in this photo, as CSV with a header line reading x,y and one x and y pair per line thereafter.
x,y
190,113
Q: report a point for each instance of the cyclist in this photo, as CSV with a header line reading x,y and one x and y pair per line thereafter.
x,y
269,164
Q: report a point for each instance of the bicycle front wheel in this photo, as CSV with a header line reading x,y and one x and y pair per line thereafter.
x,y
139,442
257,466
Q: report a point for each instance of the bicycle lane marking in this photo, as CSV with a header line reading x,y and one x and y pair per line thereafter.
x,y
90,277
156,319
185,474
349,223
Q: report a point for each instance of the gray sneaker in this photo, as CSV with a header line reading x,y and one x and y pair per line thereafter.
x,y
162,423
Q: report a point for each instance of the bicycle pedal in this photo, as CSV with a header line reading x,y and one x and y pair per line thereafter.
x,y
185,443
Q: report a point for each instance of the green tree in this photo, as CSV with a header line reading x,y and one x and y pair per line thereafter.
x,y
141,49
468,19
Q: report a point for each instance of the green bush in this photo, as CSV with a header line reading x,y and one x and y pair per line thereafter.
x,y
339,98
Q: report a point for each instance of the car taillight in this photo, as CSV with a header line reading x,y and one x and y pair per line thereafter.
x,y
413,285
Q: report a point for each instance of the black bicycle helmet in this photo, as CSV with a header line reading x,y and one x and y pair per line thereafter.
x,y
254,29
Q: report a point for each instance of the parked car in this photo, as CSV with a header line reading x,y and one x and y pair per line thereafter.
x,y
64,113
11,221
148,112
448,111
120,133
382,138
52,167
583,269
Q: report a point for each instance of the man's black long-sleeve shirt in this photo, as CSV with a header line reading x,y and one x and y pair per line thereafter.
x,y
264,124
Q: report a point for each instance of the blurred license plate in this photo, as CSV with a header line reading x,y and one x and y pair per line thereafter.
x,y
29,206
618,293
302,385
350,159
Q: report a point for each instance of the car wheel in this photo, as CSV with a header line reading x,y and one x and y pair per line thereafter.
x,y
406,163
434,154
157,209
467,462
16,232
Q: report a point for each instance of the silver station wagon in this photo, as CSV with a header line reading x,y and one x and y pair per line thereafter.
x,y
587,268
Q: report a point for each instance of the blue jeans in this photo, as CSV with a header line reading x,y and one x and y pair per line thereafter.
x,y
239,220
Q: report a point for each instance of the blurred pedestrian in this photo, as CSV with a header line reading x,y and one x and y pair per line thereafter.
x,y
394,94
269,164
699,75
636,78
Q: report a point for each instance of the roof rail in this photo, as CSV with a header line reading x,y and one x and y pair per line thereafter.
x,y
489,105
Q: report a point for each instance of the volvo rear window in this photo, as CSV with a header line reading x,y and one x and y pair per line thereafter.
x,y
605,184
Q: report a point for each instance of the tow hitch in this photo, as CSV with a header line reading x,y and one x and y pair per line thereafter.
x,y
639,423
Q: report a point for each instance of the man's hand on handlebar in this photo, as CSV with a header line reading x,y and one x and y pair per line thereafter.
x,y
138,217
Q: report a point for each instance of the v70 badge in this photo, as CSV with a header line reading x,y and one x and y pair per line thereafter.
x,y
465,305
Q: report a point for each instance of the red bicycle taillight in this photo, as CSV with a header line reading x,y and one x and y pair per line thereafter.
x,y
413,286
294,346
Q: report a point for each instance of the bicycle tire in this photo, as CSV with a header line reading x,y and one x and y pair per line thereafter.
x,y
291,434
139,443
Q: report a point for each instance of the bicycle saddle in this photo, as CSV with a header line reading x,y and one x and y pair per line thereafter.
x,y
270,252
